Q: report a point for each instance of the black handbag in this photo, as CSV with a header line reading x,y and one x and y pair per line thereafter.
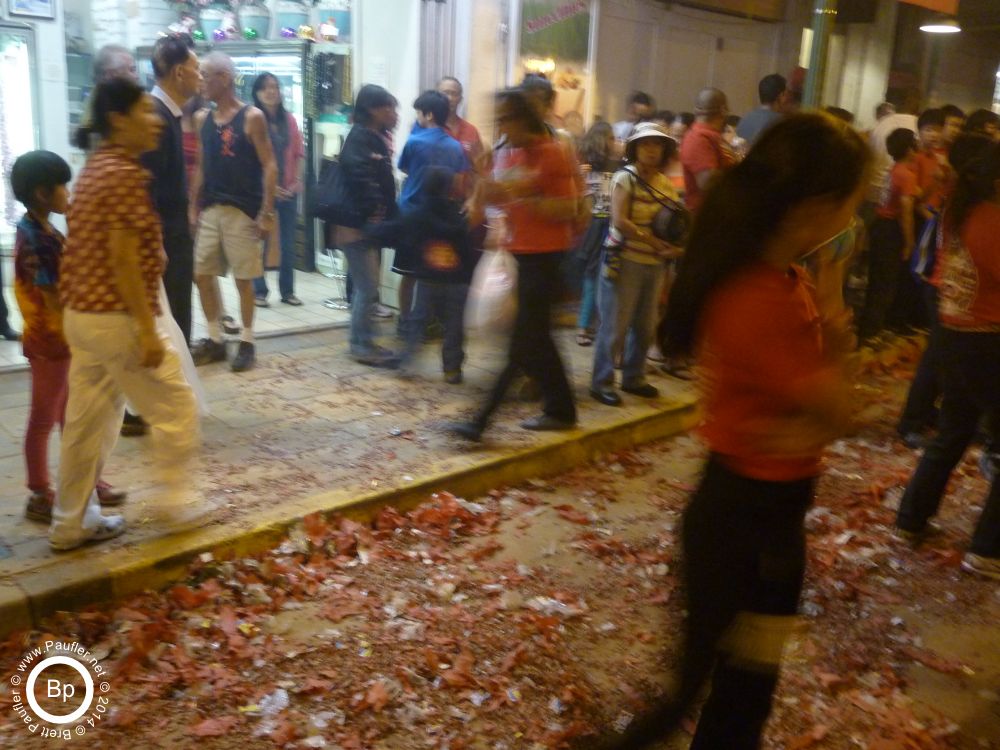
x,y
329,196
672,223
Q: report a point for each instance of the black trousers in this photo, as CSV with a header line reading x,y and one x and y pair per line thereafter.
x,y
532,349
178,277
971,370
885,248
744,562
920,411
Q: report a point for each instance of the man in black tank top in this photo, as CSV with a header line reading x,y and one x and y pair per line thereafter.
x,y
232,204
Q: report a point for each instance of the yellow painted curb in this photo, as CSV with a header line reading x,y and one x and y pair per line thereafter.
x,y
98,579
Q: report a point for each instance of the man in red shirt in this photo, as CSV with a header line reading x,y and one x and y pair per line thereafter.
x,y
891,235
461,130
703,152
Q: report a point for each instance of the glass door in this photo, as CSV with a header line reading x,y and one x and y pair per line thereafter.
x,y
18,119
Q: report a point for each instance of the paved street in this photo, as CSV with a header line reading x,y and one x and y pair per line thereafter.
x,y
306,430
525,617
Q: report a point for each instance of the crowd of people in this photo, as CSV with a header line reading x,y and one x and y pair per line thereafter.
x,y
687,236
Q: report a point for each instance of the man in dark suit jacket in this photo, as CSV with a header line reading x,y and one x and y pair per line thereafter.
x,y
178,78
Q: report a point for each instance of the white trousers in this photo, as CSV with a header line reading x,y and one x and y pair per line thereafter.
x,y
104,371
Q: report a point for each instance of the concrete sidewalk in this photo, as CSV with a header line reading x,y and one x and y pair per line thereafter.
x,y
307,430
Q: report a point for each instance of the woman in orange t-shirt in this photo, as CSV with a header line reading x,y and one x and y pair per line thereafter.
x,y
534,181
773,353
969,341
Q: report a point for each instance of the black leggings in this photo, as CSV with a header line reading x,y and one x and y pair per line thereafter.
x,y
744,557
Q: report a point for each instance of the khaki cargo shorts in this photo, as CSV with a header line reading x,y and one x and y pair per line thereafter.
x,y
227,238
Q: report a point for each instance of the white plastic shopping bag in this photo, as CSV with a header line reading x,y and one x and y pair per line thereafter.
x,y
492,301
168,325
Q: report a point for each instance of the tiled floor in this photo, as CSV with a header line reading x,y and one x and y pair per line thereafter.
x,y
279,319
311,288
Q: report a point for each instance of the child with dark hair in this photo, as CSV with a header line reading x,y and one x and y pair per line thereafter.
x,y
39,180
428,146
891,235
432,240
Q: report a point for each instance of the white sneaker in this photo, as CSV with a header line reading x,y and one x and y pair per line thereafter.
x,y
981,565
108,528
381,311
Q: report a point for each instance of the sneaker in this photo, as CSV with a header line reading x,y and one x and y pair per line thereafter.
x,y
292,300
261,300
245,357
453,377
981,565
39,507
108,528
381,311
207,351
133,425
230,326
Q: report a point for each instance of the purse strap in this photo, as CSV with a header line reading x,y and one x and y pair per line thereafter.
x,y
664,200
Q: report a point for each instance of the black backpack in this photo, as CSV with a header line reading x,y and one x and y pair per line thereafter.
x,y
329,196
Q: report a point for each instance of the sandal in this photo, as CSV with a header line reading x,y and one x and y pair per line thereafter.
x,y
39,507
230,326
108,496
584,339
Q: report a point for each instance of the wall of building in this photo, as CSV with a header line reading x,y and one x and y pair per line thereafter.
x,y
965,70
673,52
50,60
858,81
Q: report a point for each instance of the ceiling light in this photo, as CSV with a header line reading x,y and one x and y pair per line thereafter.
x,y
941,25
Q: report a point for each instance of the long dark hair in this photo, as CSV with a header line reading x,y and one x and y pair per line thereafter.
x,y
280,120
521,108
801,157
977,163
117,95
594,148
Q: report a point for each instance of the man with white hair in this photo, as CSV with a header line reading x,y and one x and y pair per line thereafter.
x,y
232,202
114,61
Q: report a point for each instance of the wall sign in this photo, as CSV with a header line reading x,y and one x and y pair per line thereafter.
x,y
557,29
32,8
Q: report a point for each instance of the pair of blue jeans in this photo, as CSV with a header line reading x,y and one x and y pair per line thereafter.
x,y
288,214
627,306
363,265
445,301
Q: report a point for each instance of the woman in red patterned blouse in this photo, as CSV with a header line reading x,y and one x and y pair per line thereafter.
x,y
109,287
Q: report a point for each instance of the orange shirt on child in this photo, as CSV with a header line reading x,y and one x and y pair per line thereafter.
x,y
901,183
